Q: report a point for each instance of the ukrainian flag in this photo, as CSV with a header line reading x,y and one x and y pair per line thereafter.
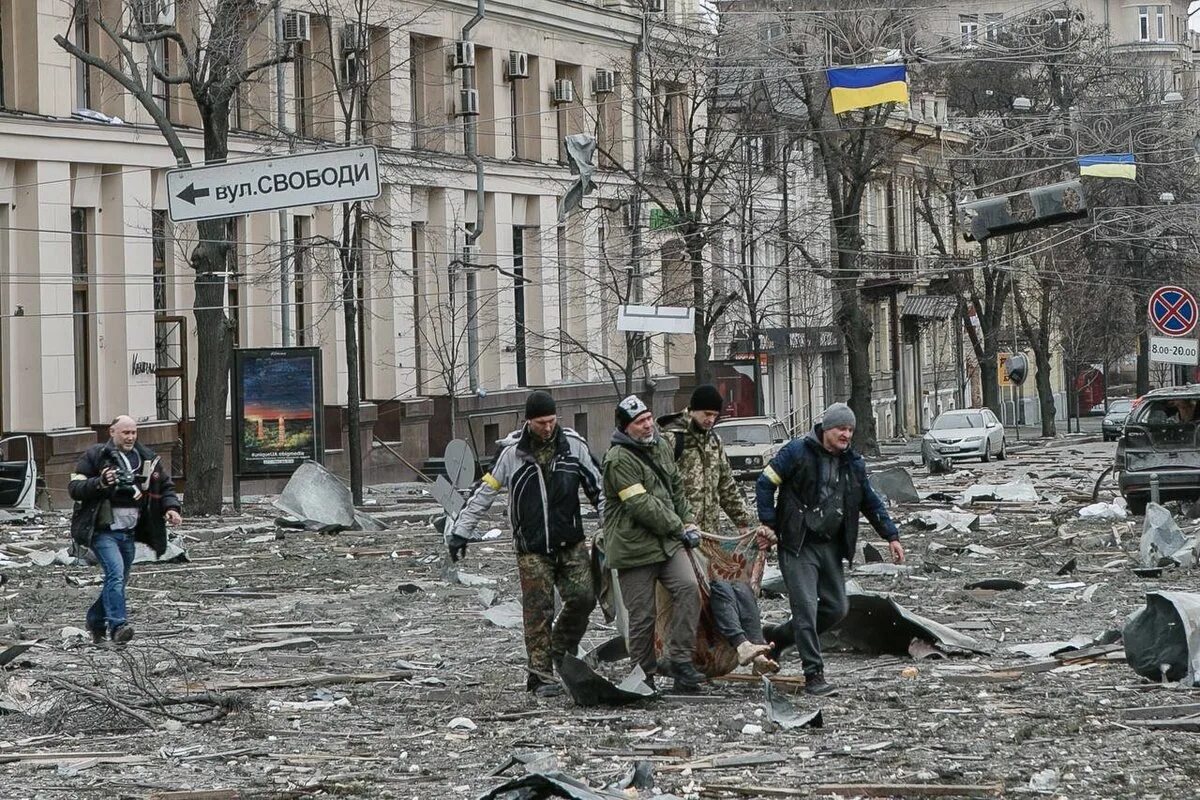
x,y
862,87
1112,165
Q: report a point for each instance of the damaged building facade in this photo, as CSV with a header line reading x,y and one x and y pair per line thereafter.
x,y
96,290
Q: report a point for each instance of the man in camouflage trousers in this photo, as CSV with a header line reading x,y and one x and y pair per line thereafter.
x,y
543,465
711,489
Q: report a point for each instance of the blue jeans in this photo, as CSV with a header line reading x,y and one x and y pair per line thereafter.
x,y
114,550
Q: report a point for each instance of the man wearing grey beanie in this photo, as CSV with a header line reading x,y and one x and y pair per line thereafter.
x,y
822,488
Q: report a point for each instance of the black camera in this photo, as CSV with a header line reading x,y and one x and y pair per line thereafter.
x,y
126,484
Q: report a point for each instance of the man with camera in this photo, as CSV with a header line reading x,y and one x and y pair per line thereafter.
x,y
123,495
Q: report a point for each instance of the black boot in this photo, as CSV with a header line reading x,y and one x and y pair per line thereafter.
x,y
816,685
687,677
780,636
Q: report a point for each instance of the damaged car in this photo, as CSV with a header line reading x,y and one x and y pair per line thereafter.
x,y
1161,441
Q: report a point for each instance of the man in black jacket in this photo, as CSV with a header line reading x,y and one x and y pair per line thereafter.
x,y
823,487
543,465
122,495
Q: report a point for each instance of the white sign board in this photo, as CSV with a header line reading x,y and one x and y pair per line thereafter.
x,y
1169,350
656,319
269,184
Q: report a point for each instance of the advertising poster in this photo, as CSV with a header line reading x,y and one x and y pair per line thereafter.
x,y
277,398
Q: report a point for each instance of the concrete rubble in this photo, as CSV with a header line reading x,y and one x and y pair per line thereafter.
x,y
290,662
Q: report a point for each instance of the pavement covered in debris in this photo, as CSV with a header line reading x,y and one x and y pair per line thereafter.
x,y
287,662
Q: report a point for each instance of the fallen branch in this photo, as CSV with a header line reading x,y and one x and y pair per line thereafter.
x,y
100,697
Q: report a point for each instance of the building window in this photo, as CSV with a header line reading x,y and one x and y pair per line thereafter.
x,y
301,66
1144,23
1160,22
968,27
993,25
80,315
560,234
417,245
299,276
233,299
83,40
518,250
158,239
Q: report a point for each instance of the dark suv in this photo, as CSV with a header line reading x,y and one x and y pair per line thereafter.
x,y
1161,437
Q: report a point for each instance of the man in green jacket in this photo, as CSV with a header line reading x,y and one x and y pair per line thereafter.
x,y
647,526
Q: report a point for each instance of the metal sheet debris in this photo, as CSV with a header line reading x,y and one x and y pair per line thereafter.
x,y
588,687
878,624
320,500
1162,641
1163,542
896,484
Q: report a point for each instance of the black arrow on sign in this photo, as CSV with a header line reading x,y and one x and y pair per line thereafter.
x,y
190,193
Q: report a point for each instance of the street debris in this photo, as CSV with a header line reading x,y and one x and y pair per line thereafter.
x,y
940,520
878,624
346,673
505,615
781,713
1162,641
896,484
1018,491
320,501
1163,543
1117,509
587,687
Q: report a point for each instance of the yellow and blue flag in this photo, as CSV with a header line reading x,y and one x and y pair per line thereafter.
x,y
862,87
1110,165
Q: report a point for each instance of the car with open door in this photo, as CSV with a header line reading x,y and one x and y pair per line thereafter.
x,y
18,473
1161,439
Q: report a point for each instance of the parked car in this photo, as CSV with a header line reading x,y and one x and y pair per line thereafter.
x,y
1160,438
751,442
1114,420
965,433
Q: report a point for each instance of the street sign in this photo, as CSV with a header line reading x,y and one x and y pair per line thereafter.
x,y
269,184
656,319
1173,311
1172,350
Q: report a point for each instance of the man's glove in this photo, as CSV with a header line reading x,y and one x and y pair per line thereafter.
x,y
457,546
690,538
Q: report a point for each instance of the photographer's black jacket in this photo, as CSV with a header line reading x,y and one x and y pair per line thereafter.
x,y
89,493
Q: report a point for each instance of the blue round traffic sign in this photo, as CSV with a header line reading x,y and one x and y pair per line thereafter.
x,y
1173,311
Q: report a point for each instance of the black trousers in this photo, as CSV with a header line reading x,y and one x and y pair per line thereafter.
x,y
817,594
735,611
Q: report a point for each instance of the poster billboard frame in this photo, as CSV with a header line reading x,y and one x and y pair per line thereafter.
x,y
243,464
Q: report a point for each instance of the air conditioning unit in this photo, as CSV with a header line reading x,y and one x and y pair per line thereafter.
x,y
463,56
353,38
296,27
564,91
656,6
518,65
154,14
353,70
605,81
468,102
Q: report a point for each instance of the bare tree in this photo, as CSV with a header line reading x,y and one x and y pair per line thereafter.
x,y
212,56
351,67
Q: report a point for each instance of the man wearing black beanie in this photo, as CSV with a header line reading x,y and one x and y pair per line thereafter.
x,y
543,465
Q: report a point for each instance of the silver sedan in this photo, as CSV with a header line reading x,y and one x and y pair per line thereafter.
x,y
965,433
